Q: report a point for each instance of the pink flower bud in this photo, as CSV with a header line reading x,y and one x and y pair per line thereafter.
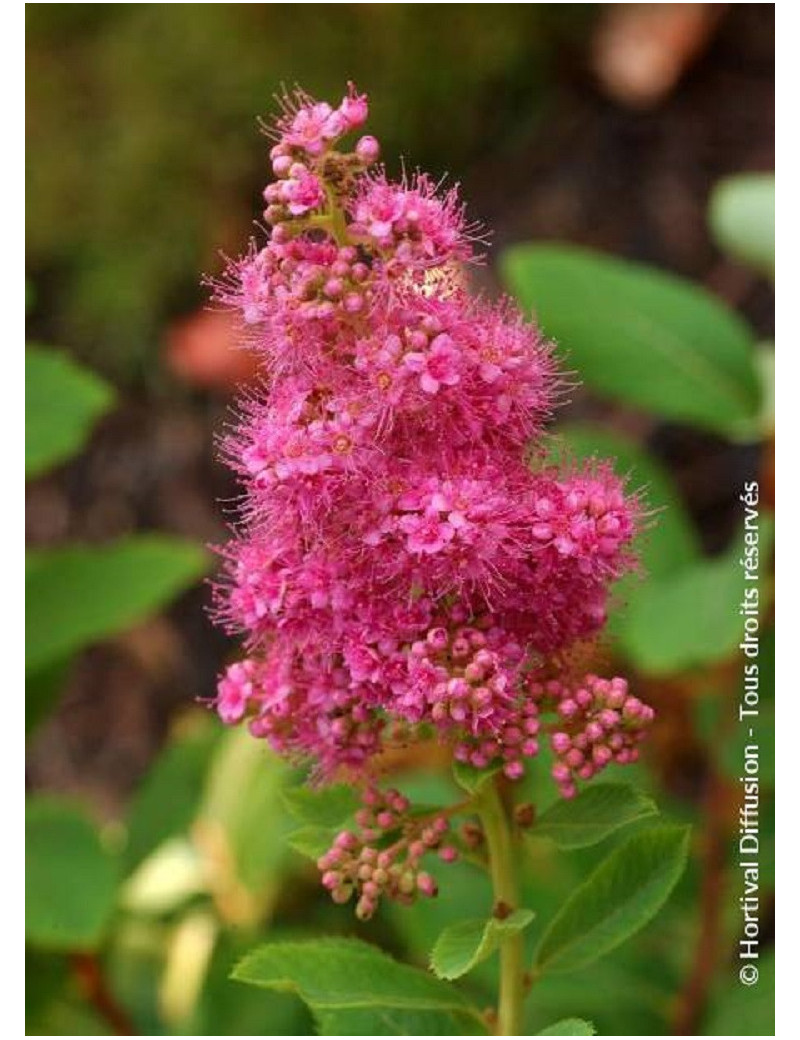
x,y
514,770
426,884
367,149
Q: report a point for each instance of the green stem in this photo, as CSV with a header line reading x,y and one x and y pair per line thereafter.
x,y
337,222
504,881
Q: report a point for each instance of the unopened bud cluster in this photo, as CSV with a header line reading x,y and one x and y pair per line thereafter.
x,y
599,723
382,857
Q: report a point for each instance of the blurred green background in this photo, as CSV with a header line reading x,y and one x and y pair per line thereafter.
x,y
616,128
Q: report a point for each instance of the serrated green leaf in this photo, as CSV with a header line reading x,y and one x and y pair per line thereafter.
x,y
82,594
70,880
569,1027
227,1010
618,898
742,218
595,813
640,335
62,402
472,779
333,974
461,946
323,806
311,842
692,618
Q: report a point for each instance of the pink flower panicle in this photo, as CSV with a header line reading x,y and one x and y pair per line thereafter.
x,y
400,568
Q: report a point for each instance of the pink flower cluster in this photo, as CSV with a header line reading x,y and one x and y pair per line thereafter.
x,y
599,723
355,864
404,562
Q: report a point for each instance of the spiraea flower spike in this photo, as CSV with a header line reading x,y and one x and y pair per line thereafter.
x,y
400,569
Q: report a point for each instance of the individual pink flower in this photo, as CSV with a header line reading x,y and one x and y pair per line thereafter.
x,y
437,367
427,533
354,108
312,128
303,193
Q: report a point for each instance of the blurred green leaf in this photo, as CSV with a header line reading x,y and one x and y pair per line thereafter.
x,y
461,946
742,218
242,821
640,335
334,974
322,807
569,1027
69,1016
762,424
311,842
42,689
692,618
670,540
638,976
82,594
594,814
62,403
46,980
70,880
167,799
616,900
739,1010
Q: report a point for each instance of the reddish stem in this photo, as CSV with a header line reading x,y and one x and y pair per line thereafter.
x,y
92,980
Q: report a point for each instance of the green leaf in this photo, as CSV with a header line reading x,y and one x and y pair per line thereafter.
x,y
242,814
322,807
671,540
80,595
311,842
742,218
692,618
740,1010
461,946
640,335
226,1010
167,799
569,1027
333,974
62,403
762,425
42,690
617,899
472,779
596,812
384,1021
70,880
